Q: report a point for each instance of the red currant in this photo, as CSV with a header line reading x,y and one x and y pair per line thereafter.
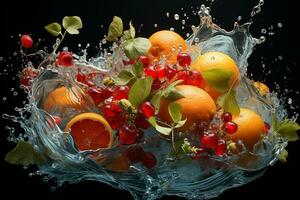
x,y
267,127
149,160
184,59
129,134
65,59
147,109
221,148
135,153
111,110
170,72
182,75
141,122
209,141
230,127
26,41
80,77
116,121
28,74
194,79
160,71
96,93
121,92
149,71
226,117
156,84
145,60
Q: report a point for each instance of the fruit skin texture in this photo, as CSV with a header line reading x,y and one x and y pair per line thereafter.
x,y
26,41
250,128
215,60
120,163
197,106
62,98
93,135
162,44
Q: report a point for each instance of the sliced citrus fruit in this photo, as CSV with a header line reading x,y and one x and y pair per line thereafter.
x,y
90,131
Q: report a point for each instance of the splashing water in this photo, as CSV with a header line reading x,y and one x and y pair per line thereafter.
x,y
194,179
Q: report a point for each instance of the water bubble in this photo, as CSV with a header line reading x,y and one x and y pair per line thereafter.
x,y
290,101
187,34
79,45
280,25
15,54
172,29
155,25
263,31
12,89
15,93
54,165
176,17
1,58
168,14
280,57
197,40
239,18
262,39
65,49
4,98
182,27
183,21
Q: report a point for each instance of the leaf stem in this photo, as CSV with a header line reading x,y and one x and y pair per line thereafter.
x,y
55,47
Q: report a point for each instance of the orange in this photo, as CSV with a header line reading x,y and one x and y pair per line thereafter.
x,y
62,98
262,88
90,131
215,60
196,106
250,128
166,43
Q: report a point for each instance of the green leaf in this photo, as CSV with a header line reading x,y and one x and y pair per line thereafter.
x,y
23,154
282,157
115,29
138,69
288,129
274,121
136,47
229,103
72,24
155,100
173,95
180,123
139,91
219,79
54,28
124,77
174,111
163,130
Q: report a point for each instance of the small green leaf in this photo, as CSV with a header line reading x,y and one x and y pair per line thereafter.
x,y
180,123
124,77
288,129
173,95
23,154
139,91
174,111
136,47
72,24
54,28
219,79
115,29
138,69
282,157
155,100
229,103
163,130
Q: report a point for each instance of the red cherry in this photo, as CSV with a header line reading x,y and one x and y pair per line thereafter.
x,y
209,141
26,41
80,77
28,74
135,153
156,84
267,127
226,117
149,160
147,109
194,79
121,92
111,110
160,71
141,122
129,134
221,148
65,59
184,59
149,71
170,72
182,75
97,94
230,127
145,60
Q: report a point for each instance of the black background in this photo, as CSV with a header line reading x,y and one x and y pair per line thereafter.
x,y
280,181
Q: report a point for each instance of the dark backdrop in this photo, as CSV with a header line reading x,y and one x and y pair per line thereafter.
x,y
280,181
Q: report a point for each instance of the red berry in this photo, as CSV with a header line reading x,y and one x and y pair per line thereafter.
x,y
226,117
230,127
156,84
28,74
65,59
147,109
26,41
209,141
182,75
267,127
145,60
149,71
170,72
80,77
194,79
141,122
221,148
129,62
184,59
149,160
117,121
111,110
160,71
129,134
121,92
96,93
135,153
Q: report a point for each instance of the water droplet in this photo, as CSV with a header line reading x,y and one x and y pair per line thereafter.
x,y
15,93
79,45
168,14
239,18
12,89
182,27
15,53
176,16
4,98
290,101
172,29
187,34
1,58
197,40
280,25
262,39
183,22
263,31
155,25
54,165
280,57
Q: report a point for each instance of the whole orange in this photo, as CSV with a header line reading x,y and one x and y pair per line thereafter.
x,y
166,43
250,128
196,106
215,60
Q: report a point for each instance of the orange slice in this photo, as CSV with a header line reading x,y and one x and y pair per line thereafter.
x,y
90,131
